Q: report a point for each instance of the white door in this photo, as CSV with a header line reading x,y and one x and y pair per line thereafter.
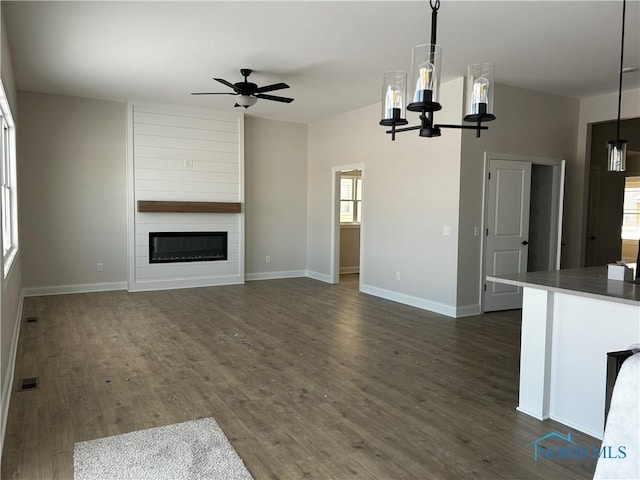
x,y
507,230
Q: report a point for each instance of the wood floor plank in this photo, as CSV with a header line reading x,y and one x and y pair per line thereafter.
x,y
308,380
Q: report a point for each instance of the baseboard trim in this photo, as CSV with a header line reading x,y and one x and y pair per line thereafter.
x,y
7,387
250,277
468,310
441,308
66,289
532,414
348,270
319,276
174,284
594,434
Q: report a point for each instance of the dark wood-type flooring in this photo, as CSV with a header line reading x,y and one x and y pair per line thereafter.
x,y
308,380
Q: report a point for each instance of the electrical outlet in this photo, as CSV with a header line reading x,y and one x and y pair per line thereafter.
x,y
476,231
268,259
101,267
446,230
188,164
397,275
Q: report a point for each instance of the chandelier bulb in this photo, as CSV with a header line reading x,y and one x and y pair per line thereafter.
x,y
424,81
393,100
479,94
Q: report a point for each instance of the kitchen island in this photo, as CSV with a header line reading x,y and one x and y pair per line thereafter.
x,y
570,320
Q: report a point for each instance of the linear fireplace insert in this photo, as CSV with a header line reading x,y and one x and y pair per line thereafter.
x,y
167,247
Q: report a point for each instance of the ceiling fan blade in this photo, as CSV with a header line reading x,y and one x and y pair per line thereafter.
x,y
274,98
224,82
212,93
271,88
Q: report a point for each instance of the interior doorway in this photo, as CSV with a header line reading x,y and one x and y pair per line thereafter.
x,y
522,222
611,197
347,222
630,234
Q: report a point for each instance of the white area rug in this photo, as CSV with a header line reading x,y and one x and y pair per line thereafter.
x,y
183,451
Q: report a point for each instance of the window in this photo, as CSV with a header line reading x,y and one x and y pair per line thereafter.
x,y
631,209
630,219
350,199
8,196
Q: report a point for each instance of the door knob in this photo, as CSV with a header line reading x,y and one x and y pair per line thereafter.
x,y
524,242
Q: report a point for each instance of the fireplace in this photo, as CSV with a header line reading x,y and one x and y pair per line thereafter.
x,y
168,247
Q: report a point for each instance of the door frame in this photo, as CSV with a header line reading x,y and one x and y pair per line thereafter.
x,y
594,173
334,270
557,203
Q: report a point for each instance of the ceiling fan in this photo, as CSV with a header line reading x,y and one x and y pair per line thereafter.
x,y
248,93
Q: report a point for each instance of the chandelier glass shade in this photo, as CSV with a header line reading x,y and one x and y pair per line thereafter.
x,y
479,93
394,97
425,78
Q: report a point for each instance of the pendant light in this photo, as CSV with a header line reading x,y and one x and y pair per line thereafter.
x,y
425,91
617,149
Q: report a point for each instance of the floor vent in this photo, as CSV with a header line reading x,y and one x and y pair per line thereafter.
x,y
31,319
31,383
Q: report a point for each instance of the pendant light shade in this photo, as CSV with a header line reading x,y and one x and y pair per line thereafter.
x,y
479,93
617,149
425,78
616,155
394,97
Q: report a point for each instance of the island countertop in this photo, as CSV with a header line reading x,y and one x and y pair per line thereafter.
x,y
589,282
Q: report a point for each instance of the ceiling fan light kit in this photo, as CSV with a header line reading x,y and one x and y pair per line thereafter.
x,y
248,93
245,100
425,91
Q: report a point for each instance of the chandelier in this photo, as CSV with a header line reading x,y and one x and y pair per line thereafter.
x,y
425,84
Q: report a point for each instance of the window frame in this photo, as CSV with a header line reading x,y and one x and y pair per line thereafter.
x,y
630,189
8,184
354,200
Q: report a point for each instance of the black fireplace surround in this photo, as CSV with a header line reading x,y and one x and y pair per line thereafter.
x,y
169,247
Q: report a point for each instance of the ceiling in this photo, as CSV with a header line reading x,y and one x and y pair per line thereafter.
x,y
331,53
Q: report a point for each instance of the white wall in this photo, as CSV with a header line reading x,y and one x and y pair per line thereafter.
x,y
592,110
528,123
11,286
7,67
72,190
276,198
66,189
410,191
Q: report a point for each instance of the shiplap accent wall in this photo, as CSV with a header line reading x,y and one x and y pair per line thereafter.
x,y
182,154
